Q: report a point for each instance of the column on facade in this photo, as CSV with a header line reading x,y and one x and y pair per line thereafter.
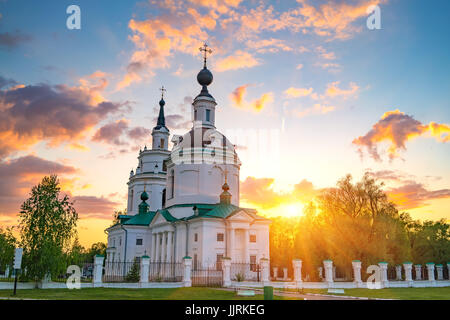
x,y
169,246
164,246
153,252
246,246
231,234
158,247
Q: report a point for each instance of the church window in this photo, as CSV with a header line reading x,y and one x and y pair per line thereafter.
x,y
172,184
208,115
220,237
114,243
253,238
131,199
195,261
196,237
120,241
253,263
139,242
162,144
195,115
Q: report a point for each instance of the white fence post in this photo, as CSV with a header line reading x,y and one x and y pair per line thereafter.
x,y
275,273
297,264
187,262
398,272
98,269
145,265
328,266
265,271
226,267
440,274
285,274
418,269
384,275
356,264
408,273
430,271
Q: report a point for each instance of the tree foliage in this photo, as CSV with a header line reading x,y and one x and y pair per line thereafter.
x,y
7,245
356,221
47,224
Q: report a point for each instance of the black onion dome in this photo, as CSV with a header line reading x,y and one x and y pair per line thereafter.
x,y
144,196
205,77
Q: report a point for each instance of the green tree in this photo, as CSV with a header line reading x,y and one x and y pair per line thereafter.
x,y
134,273
116,215
96,248
7,245
47,223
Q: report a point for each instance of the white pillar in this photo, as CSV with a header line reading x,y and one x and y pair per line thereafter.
x,y
187,262
98,269
265,271
418,269
232,244
356,264
164,246
448,269
328,266
275,273
398,272
246,245
285,274
297,265
226,267
408,273
384,276
440,274
430,271
158,247
153,253
169,246
145,265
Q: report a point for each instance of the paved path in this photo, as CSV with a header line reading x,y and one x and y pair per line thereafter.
x,y
306,296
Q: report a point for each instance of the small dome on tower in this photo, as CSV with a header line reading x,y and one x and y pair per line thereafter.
x,y
162,102
144,196
205,77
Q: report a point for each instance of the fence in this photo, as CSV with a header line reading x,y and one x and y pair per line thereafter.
x,y
86,272
165,271
121,271
342,274
242,271
209,275
7,274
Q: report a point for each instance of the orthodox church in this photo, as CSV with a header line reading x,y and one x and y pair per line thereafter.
x,y
185,201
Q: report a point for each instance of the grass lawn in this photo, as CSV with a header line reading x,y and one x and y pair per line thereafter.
x,y
394,293
130,294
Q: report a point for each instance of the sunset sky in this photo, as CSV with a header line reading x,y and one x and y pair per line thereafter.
x,y
304,89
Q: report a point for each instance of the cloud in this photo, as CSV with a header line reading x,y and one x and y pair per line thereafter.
x,y
4,82
259,191
333,90
55,114
238,60
20,174
396,128
325,54
297,92
13,40
316,109
299,66
415,195
94,207
268,45
238,99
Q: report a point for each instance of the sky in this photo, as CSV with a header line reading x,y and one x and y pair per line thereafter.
x,y
305,90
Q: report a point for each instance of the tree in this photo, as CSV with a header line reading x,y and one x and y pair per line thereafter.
x,y
116,215
7,245
96,248
47,223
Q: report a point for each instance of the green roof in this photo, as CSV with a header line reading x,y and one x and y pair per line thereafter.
x,y
141,219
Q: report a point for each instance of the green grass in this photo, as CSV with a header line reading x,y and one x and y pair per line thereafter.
x,y
130,294
393,293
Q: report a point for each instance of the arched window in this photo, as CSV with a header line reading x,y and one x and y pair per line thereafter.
x,y
164,198
130,199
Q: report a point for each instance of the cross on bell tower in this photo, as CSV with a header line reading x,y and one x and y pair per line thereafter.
x,y
162,89
205,50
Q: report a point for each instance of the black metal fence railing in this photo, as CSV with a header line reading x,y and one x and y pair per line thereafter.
x,y
445,273
86,272
165,272
342,274
121,271
244,271
7,274
391,273
207,275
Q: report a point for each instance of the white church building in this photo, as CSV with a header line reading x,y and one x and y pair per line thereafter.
x,y
185,201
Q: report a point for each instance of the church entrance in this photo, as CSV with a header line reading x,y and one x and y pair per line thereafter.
x,y
210,275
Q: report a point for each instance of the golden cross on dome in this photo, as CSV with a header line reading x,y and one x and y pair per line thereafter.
x,y
162,89
225,172
205,51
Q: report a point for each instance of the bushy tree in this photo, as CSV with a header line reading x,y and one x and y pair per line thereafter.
x,y
47,223
7,245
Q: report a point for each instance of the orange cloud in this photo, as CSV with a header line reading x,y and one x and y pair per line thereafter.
x,y
238,99
333,90
397,128
415,195
298,92
238,60
314,110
